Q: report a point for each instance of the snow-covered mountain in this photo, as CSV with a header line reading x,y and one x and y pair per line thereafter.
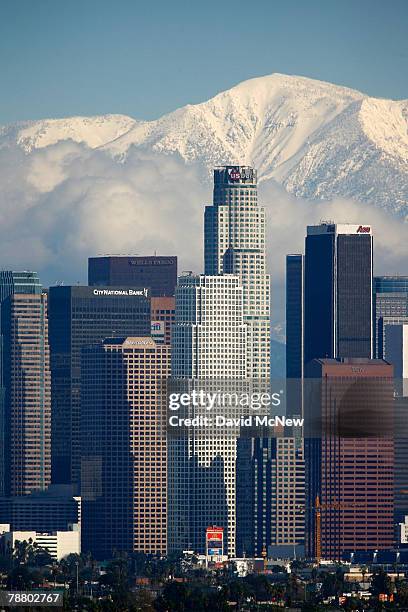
x,y
316,139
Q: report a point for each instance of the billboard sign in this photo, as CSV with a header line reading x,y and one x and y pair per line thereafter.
x,y
214,541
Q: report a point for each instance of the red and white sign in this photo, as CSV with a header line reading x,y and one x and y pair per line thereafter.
x,y
363,229
214,541
215,534
234,174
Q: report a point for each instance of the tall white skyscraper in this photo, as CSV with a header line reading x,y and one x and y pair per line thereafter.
x,y
234,243
208,347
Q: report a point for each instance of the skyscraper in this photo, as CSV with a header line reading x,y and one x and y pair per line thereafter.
x,y
294,315
270,495
124,451
350,461
80,316
25,381
390,307
234,243
338,291
208,343
157,272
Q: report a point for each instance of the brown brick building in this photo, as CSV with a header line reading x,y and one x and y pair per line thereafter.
x,y
124,450
350,461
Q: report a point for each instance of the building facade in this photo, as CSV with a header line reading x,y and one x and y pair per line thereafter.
x,y
53,509
294,315
338,291
159,273
208,344
79,316
26,384
270,495
58,544
163,317
390,307
124,448
234,243
350,458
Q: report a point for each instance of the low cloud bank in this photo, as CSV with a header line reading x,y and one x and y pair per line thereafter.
x,y
64,203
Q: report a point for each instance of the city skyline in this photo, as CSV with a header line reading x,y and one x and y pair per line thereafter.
x,y
204,305
133,326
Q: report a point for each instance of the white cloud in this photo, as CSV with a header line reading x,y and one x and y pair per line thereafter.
x,y
66,202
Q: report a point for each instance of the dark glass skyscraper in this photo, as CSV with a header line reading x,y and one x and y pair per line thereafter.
x,y
338,291
294,315
157,272
81,316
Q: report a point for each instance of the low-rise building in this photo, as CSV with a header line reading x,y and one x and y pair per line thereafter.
x,y
58,544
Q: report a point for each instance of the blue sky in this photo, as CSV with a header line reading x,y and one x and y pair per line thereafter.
x,y
69,57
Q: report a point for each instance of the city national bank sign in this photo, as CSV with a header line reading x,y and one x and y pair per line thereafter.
x,y
144,292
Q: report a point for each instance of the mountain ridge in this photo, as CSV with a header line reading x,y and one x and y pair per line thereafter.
x,y
319,140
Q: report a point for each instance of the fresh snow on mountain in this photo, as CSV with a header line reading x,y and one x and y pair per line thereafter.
x,y
318,140
93,131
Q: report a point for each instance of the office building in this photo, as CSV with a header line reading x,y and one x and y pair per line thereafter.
x,y
124,449
270,496
294,315
294,334
338,291
162,317
403,531
158,273
234,243
79,316
58,544
208,344
396,349
53,509
26,385
401,458
350,460
390,307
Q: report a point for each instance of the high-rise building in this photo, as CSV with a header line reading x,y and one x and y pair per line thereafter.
x,y
163,317
294,315
390,326
338,291
124,449
234,243
270,495
79,316
53,509
25,385
208,344
401,458
390,307
350,458
157,272
396,349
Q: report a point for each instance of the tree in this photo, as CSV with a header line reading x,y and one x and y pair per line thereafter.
x,y
380,583
402,593
173,599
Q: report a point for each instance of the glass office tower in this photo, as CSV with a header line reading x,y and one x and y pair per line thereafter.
x,y
338,291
